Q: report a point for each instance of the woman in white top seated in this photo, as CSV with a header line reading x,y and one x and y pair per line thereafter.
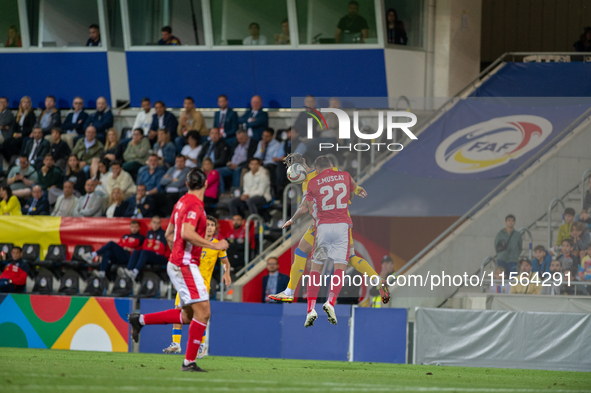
x,y
192,150
117,204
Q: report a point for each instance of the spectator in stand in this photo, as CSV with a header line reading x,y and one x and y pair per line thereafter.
x,y
137,152
585,268
21,178
173,183
14,38
255,120
167,37
95,36
140,205
119,179
255,38
256,191
50,116
191,120
102,119
395,28
150,175
552,286
532,288
22,127
283,37
113,149
6,120
584,42
273,281
119,253
542,260
99,174
37,204
192,149
35,148
50,178
226,120
153,251
73,126
267,151
352,28
564,230
216,149
9,204
164,119
386,271
568,286
117,204
291,144
497,287
14,276
301,121
164,149
66,202
580,236
75,175
88,149
213,183
90,205
242,151
508,245
236,240
59,149
144,119
567,259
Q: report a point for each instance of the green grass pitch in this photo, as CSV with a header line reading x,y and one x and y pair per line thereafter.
x,y
30,370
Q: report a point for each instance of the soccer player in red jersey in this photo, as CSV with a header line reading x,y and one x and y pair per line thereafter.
x,y
328,202
186,232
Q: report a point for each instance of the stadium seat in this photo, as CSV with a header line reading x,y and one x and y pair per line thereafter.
x,y
79,250
6,248
56,253
150,286
43,281
31,252
69,283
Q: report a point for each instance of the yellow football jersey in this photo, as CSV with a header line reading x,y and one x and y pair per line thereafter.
x,y
209,258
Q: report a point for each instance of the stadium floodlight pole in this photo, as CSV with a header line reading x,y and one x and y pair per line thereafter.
x,y
579,121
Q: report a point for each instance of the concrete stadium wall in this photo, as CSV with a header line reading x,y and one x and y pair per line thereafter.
x,y
527,198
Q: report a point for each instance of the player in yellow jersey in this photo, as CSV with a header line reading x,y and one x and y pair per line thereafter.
x,y
209,259
307,242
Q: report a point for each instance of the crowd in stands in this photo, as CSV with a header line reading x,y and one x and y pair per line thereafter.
x,y
569,259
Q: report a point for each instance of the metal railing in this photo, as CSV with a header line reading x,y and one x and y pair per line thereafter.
x,y
261,223
586,175
485,262
531,240
585,116
264,254
286,196
553,202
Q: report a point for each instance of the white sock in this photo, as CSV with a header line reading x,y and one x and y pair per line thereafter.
x,y
142,319
135,273
288,291
94,254
186,362
101,274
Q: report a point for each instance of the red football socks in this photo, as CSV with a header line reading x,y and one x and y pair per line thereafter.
x,y
313,288
163,317
196,330
336,289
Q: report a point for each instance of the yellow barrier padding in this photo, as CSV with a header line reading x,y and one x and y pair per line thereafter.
x,y
42,230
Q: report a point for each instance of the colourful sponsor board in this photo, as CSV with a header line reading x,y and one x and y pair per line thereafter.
x,y
56,322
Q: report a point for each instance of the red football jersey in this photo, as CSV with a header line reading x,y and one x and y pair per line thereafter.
x,y
330,192
188,209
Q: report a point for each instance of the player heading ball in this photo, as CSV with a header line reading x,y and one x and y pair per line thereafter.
x,y
186,237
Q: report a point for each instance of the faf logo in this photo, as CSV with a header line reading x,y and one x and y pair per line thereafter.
x,y
345,129
492,143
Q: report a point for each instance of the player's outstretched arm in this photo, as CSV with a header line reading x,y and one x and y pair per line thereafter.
x,y
189,234
358,189
169,234
302,211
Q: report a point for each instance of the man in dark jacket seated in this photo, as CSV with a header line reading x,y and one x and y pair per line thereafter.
x,y
73,126
37,204
102,120
216,149
140,205
117,253
14,276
